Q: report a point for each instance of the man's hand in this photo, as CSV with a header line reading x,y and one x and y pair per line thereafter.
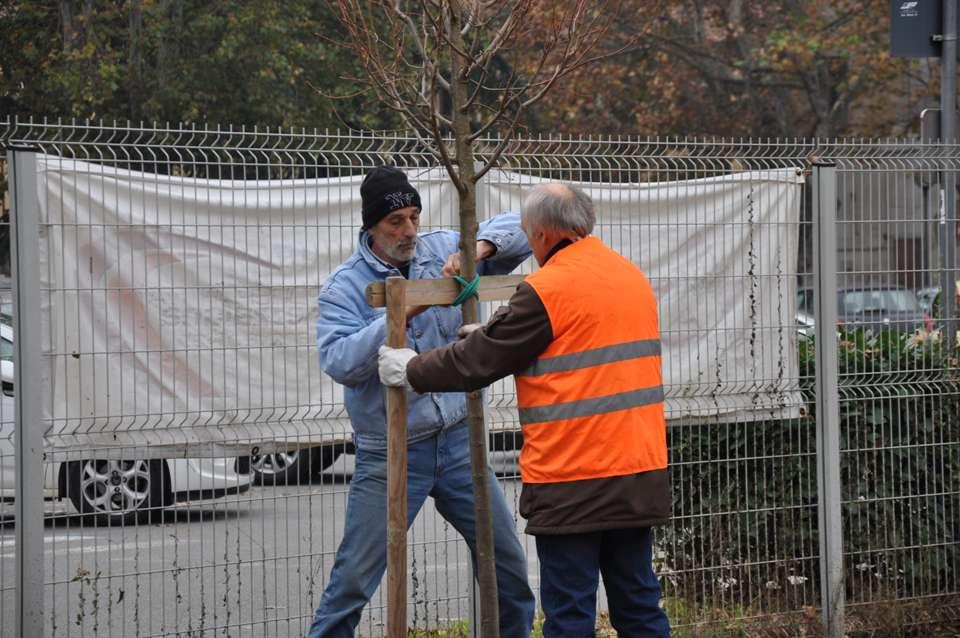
x,y
393,365
452,266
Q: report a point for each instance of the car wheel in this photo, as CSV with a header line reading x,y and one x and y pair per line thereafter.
x,y
292,466
116,492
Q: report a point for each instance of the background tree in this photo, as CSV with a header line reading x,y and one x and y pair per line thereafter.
x,y
218,61
783,68
731,68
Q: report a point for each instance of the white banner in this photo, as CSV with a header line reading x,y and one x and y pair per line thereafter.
x,y
181,312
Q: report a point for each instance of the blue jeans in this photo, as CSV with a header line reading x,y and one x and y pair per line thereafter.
x,y
439,467
569,566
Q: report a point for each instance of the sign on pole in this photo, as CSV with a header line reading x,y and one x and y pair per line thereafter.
x,y
915,28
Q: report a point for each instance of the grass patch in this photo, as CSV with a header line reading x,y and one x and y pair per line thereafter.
x,y
937,617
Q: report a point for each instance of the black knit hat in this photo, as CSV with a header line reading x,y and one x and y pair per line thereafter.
x,y
384,190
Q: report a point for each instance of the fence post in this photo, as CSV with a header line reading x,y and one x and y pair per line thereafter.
x,y
948,219
828,400
29,384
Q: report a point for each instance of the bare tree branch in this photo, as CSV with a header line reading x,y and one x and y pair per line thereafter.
x,y
517,14
500,148
721,70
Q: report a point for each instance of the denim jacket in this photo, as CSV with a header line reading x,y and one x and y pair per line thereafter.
x,y
349,332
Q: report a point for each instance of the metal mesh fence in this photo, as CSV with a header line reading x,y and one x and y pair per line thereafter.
x,y
898,386
177,259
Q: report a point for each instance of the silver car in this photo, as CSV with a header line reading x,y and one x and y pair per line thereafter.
x,y
873,308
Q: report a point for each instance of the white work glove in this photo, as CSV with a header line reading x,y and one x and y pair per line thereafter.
x,y
467,328
393,365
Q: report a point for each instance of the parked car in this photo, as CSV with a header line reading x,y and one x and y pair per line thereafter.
x,y
932,300
882,308
869,307
805,319
926,296
295,465
108,490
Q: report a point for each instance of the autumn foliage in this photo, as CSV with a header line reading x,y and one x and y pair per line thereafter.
x,y
782,68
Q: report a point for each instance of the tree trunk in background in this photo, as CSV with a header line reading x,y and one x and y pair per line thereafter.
x,y
134,81
66,25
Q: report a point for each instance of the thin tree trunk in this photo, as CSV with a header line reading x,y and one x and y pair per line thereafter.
x,y
134,79
66,25
486,561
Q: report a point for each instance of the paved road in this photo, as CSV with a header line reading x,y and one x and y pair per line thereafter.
x,y
251,564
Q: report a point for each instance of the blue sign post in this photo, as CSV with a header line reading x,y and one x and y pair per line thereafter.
x,y
928,29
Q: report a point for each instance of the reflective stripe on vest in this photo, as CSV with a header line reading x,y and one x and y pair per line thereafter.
x,y
591,407
594,357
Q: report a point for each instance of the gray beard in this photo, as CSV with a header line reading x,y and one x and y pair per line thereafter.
x,y
399,254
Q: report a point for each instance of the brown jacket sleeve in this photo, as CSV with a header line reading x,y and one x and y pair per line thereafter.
x,y
510,341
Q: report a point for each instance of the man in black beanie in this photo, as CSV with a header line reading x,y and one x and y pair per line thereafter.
x,y
349,334
386,190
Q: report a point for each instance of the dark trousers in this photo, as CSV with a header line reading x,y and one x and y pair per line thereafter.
x,y
570,566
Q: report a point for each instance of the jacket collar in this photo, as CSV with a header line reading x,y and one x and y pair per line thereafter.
x,y
560,245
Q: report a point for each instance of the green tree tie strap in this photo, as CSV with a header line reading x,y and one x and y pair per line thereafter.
x,y
469,289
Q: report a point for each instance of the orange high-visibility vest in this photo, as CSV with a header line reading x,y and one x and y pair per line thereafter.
x,y
591,406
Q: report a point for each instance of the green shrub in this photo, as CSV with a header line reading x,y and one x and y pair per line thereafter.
x,y
745,528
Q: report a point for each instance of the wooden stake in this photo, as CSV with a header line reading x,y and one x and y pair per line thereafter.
x,y
396,468
396,294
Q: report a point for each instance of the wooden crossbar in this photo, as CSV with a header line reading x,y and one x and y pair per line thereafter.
x,y
441,292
